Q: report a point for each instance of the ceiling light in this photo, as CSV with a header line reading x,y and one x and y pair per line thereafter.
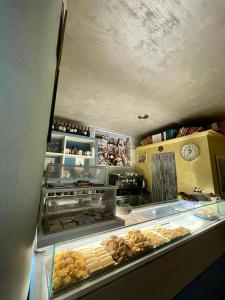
x,y
142,117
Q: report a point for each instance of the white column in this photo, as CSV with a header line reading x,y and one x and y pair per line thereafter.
x,y
28,36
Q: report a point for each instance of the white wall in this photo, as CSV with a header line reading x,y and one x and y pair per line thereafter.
x,y
28,35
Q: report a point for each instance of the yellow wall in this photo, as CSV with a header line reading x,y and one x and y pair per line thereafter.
x,y
217,147
189,174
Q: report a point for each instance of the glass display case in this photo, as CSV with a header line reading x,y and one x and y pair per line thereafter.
x,y
78,265
62,175
75,202
155,211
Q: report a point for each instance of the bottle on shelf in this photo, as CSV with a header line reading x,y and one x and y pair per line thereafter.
x,y
79,130
85,131
60,128
71,128
64,126
68,127
82,130
75,129
88,132
56,126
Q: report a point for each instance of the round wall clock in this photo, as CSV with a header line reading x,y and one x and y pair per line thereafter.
x,y
189,151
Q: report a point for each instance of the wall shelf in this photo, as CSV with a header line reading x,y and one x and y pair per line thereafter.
x,y
181,138
79,156
73,137
67,140
54,154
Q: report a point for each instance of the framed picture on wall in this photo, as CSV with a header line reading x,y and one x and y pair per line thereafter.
x,y
142,158
220,160
113,149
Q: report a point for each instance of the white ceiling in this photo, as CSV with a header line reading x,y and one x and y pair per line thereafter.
x,y
122,58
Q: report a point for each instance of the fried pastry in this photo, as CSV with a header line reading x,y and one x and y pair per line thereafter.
x,y
118,248
69,267
97,258
137,241
171,234
154,239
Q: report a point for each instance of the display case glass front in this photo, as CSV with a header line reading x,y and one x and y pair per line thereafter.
x,y
58,175
72,208
84,261
76,201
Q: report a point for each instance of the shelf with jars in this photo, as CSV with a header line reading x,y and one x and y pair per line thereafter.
x,y
66,148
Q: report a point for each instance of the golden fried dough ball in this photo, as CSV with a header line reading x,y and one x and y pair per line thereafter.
x,y
56,282
66,281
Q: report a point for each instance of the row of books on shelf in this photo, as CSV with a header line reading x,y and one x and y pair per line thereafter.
x,y
219,127
174,133
188,130
170,134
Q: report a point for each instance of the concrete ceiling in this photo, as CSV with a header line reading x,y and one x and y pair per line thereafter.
x,y
122,58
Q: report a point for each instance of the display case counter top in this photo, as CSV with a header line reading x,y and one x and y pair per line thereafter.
x,y
159,274
158,210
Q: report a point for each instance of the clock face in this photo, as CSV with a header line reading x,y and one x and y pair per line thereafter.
x,y
189,152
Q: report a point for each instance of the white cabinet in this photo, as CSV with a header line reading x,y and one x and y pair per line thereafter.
x,y
66,148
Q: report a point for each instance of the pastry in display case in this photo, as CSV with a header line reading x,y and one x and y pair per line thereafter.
x,y
83,262
207,213
96,258
118,248
157,210
171,234
75,206
64,212
71,266
155,239
63,175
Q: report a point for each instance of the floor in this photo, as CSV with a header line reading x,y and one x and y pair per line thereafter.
x,y
210,285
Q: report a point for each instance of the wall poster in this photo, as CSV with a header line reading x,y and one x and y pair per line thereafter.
x,y
113,149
